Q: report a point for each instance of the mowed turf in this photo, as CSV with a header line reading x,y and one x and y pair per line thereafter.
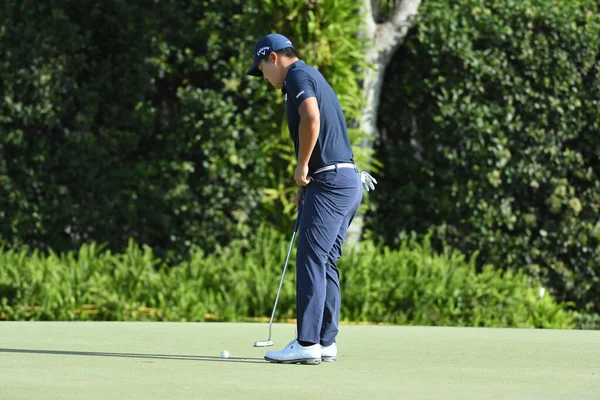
x,y
116,360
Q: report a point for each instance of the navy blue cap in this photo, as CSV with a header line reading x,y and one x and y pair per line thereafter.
x,y
267,44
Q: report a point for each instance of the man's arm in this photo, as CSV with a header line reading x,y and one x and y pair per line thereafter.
x,y
310,123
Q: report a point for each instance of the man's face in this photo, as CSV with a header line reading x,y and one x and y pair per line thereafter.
x,y
271,70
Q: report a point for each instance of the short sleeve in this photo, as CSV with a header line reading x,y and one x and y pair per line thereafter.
x,y
299,87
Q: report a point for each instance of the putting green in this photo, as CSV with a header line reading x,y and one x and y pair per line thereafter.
x,y
117,360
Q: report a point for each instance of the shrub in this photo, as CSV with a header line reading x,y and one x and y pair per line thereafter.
x,y
410,285
415,285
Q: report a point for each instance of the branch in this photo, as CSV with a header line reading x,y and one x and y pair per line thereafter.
x,y
375,9
403,12
391,34
369,29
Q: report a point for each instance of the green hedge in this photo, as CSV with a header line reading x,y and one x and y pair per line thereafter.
x,y
125,119
136,119
490,135
411,285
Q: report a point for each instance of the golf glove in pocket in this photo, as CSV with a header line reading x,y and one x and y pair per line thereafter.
x,y
368,181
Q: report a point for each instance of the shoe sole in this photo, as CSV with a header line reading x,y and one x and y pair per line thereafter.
x,y
306,361
328,359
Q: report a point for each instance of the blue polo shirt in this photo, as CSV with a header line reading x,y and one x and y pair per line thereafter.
x,y
333,144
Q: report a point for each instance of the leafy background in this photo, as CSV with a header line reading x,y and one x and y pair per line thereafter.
x,y
134,121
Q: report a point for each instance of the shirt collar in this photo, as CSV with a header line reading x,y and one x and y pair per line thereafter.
x,y
292,67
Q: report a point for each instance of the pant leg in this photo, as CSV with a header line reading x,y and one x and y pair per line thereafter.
x,y
331,314
329,200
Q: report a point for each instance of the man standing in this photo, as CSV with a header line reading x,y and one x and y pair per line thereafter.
x,y
329,187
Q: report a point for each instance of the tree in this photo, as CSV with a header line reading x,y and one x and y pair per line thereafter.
x,y
386,24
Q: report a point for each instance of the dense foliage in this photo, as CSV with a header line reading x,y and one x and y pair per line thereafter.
x,y
411,285
136,119
490,135
133,122
120,119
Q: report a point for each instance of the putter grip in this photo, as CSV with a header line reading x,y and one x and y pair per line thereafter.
x,y
298,216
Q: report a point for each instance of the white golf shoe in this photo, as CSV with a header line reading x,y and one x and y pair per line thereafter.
x,y
329,353
293,353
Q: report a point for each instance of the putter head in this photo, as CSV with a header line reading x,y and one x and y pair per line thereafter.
x,y
263,343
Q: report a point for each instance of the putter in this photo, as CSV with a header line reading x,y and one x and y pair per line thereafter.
x,y
269,342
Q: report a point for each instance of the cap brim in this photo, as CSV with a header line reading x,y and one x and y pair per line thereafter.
x,y
254,71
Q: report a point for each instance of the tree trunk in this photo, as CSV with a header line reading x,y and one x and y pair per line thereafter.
x,y
385,38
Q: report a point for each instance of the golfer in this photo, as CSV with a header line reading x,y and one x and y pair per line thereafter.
x,y
329,187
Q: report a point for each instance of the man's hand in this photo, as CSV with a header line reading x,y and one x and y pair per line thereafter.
x,y
301,175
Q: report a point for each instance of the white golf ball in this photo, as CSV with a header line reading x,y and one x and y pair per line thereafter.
x,y
224,354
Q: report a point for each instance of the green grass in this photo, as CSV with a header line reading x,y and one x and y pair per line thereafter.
x,y
136,360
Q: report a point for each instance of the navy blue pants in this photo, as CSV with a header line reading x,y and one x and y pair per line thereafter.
x,y
330,202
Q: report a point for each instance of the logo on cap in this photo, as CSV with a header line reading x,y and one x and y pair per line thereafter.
x,y
262,51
